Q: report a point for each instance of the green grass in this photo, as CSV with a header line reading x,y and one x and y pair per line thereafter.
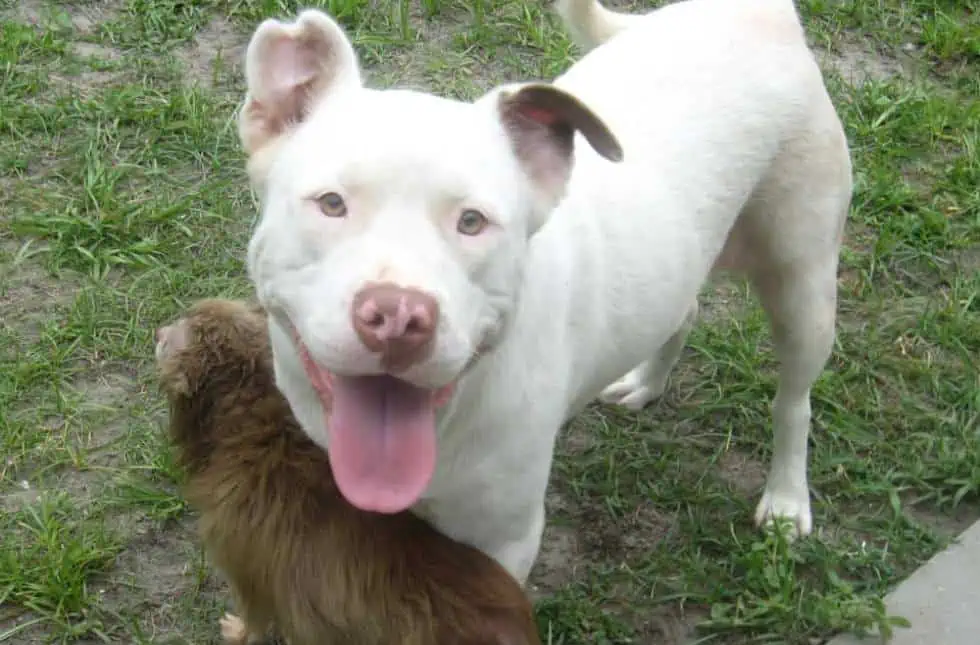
x,y
123,197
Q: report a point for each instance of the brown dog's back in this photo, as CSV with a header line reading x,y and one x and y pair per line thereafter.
x,y
297,555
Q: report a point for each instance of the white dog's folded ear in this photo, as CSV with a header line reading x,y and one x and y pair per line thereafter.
x,y
541,120
289,67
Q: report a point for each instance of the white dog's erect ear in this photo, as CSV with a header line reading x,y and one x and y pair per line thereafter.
x,y
289,67
541,121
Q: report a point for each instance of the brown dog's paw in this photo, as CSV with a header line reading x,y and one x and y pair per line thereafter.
x,y
233,630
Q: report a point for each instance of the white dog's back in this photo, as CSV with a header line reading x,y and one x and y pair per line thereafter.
x,y
705,103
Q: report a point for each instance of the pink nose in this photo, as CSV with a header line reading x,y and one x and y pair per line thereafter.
x,y
399,323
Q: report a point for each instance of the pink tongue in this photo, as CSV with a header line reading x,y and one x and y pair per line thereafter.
x,y
382,434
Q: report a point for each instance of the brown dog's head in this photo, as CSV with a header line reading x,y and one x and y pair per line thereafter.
x,y
214,339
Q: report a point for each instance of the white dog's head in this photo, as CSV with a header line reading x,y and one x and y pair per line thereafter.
x,y
393,234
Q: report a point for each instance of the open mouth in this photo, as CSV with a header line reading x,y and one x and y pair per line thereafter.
x,y
381,432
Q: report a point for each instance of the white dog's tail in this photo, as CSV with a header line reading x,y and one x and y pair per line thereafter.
x,y
589,24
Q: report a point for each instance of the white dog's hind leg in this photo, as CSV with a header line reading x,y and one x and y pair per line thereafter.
x,y
801,303
648,380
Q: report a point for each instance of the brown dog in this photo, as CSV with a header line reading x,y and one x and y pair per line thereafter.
x,y
299,558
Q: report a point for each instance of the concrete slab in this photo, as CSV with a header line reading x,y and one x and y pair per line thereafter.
x,y
941,599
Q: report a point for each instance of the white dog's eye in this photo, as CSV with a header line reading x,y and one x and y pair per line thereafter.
x,y
471,222
332,205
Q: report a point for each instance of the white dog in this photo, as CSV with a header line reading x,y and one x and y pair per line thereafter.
x,y
450,282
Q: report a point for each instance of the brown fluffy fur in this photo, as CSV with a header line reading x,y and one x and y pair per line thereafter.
x,y
299,558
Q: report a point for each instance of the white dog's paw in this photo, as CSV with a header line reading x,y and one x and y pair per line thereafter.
x,y
778,506
631,398
233,629
632,391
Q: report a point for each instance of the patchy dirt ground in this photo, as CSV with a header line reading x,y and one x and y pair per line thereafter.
x,y
121,196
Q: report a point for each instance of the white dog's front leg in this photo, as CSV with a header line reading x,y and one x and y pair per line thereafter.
x,y
519,556
506,522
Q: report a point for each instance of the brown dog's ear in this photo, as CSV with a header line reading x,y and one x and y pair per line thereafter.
x,y
541,121
288,68
171,339
254,307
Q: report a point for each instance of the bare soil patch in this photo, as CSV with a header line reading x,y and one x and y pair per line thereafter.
x,y
28,11
560,555
947,524
84,18
219,48
96,51
857,62
156,576
28,296
745,474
